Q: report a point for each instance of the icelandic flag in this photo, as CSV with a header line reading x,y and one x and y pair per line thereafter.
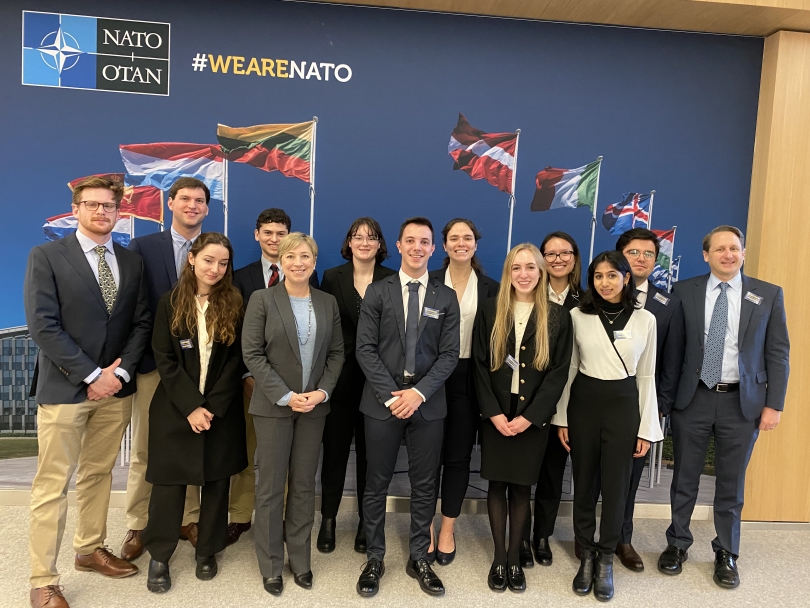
x,y
60,226
161,164
632,212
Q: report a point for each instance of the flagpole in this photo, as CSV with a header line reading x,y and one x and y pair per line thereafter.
x,y
649,216
595,199
312,179
512,195
671,259
225,197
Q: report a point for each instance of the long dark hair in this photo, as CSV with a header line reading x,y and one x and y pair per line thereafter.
x,y
592,302
575,278
474,262
373,229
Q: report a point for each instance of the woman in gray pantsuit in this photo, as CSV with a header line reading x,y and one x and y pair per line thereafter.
x,y
293,345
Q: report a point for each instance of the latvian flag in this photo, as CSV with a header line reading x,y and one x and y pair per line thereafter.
x,y
632,212
143,202
285,147
60,226
489,156
566,188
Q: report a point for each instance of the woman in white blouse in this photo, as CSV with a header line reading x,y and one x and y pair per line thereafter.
x,y
608,413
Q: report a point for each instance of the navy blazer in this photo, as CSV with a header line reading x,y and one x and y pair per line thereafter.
x,y
668,311
763,344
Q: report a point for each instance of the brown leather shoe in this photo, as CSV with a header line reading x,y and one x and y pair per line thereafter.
x,y
629,558
48,597
105,563
189,533
235,530
133,545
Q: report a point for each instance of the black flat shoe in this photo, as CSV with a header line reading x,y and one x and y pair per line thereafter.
x,y
326,535
525,554
159,580
583,581
206,568
445,559
542,551
360,544
273,585
516,579
496,579
671,560
725,570
303,580
428,581
369,582
603,577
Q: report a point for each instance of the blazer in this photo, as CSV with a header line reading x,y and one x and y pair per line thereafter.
x,y
763,344
250,278
381,346
668,312
68,320
271,352
178,455
572,300
540,390
339,282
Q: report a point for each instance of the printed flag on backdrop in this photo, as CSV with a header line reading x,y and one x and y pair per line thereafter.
x,y
142,202
664,267
60,226
489,156
566,188
161,164
633,211
284,147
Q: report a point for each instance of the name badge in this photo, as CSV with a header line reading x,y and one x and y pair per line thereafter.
x,y
186,344
511,362
752,297
622,335
431,313
661,298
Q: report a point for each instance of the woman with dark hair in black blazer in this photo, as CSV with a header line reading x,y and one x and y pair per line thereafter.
x,y
197,430
365,249
463,272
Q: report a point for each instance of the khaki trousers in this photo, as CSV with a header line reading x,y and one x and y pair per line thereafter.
x,y
86,436
138,489
243,484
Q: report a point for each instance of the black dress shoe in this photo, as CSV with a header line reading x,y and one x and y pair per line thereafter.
x,y
206,567
369,582
159,580
496,579
420,570
445,559
671,560
603,577
516,579
583,581
542,551
525,554
725,570
360,544
326,535
274,585
303,580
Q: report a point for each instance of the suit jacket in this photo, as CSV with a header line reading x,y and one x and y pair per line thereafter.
x,y
381,346
250,278
68,320
178,455
668,311
764,348
271,351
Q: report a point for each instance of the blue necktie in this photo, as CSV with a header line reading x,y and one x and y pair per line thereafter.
x,y
711,372
182,257
412,327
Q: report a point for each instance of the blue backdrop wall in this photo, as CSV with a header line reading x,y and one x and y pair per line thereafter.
x,y
674,112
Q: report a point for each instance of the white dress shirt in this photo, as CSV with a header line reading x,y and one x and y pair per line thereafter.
x,y
468,306
267,271
641,296
558,298
731,352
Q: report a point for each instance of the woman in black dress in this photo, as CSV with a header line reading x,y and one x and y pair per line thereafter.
x,y
521,352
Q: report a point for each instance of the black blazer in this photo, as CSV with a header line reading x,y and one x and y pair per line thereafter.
x,y
250,278
668,311
178,455
68,320
572,299
539,390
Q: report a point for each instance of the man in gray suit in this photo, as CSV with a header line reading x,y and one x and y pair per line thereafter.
x,y
407,346
733,385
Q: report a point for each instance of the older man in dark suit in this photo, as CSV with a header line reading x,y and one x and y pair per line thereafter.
x,y
407,346
86,308
733,385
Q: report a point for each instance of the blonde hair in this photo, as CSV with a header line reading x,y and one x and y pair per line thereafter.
x,y
293,240
505,312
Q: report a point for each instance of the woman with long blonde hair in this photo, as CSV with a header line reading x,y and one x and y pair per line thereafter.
x,y
521,354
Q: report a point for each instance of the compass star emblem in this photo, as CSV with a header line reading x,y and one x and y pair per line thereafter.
x,y
59,50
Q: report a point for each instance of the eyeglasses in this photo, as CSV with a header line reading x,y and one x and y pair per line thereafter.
x,y
356,238
93,205
635,253
565,256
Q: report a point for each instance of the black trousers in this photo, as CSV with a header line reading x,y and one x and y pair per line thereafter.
x,y
166,505
603,421
549,487
630,506
343,422
460,427
423,440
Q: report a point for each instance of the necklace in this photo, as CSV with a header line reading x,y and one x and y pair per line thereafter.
x,y
309,329
461,281
202,295
615,316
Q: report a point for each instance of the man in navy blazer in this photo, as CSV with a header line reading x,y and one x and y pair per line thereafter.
x,y
733,385
164,255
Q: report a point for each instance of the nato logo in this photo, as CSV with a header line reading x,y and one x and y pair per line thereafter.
x,y
77,52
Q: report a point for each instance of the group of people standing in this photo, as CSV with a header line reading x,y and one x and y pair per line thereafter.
x,y
256,368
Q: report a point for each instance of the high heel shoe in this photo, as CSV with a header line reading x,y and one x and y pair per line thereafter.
x,y
445,559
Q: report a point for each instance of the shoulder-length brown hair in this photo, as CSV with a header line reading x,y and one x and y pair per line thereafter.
x,y
224,302
374,229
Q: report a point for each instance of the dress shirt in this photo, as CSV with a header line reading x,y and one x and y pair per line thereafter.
x,y
266,271
523,310
178,241
206,342
641,294
468,306
731,352
558,298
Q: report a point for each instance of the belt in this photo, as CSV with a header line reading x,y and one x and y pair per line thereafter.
x,y
409,380
722,387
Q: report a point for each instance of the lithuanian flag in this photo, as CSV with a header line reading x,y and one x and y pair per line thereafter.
x,y
285,148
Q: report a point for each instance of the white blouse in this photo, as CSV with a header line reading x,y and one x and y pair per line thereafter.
x,y
593,355
206,343
468,306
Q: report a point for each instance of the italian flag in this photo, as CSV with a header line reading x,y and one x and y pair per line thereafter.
x,y
566,188
285,148
666,242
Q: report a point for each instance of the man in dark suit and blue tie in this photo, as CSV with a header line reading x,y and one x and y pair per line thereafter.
x,y
407,346
733,385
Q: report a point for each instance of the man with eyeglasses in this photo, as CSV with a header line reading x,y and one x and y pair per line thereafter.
x,y
87,310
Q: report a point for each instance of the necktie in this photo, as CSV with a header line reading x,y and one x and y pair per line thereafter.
x,y
273,275
715,341
182,257
412,326
105,279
